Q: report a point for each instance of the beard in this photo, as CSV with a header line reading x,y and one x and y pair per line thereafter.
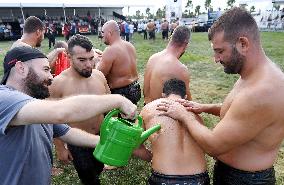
x,y
35,87
235,63
84,72
38,44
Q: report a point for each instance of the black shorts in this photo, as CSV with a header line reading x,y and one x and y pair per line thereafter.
x,y
162,179
226,175
86,165
131,92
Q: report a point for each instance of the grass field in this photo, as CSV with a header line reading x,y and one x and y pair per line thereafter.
x,y
209,84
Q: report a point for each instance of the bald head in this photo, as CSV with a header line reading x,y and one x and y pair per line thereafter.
x,y
111,26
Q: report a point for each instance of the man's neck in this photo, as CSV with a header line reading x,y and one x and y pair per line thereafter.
x,y
174,97
26,38
254,61
174,50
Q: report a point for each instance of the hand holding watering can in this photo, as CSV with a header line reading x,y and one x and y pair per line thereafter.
x,y
119,138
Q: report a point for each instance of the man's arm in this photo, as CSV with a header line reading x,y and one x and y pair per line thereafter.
x,y
52,56
146,88
242,122
79,137
106,62
73,109
198,108
185,76
142,152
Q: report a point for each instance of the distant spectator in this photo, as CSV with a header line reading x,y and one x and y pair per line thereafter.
x,y
131,30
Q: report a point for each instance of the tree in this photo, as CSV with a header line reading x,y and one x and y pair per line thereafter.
x,y
252,9
138,16
207,4
276,6
197,10
159,13
231,3
148,12
188,6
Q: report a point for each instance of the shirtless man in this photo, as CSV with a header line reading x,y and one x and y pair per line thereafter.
x,y
81,78
247,139
165,30
151,27
33,35
177,158
118,64
165,65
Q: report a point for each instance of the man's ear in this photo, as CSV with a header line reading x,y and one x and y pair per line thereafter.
x,y
243,45
21,69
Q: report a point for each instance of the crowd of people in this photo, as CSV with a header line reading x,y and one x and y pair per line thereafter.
x,y
35,107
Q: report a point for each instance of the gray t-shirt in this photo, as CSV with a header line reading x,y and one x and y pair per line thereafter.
x,y
25,151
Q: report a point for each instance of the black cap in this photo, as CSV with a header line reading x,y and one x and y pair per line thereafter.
x,y
19,54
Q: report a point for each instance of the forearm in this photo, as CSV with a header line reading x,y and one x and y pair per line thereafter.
x,y
52,56
203,136
73,109
79,137
143,153
88,106
59,144
213,109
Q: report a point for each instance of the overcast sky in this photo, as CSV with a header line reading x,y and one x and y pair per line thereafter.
x,y
155,4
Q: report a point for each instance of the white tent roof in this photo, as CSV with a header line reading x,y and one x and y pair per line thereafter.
x,y
75,3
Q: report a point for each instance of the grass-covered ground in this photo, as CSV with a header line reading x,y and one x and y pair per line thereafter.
x,y
209,84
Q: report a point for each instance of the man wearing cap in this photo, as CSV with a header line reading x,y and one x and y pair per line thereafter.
x,y
26,131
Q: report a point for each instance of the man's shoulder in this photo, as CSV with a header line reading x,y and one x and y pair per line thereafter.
x,y
97,73
19,43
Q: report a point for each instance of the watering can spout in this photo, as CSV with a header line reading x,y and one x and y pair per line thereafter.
x,y
148,132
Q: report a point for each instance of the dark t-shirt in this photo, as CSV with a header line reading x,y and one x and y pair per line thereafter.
x,y
25,151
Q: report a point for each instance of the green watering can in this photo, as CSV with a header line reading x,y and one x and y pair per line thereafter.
x,y
119,138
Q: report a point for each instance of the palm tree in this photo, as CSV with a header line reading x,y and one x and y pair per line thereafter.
x,y
197,10
231,3
188,6
252,9
207,4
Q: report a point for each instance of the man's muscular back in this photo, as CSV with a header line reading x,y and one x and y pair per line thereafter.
x,y
174,150
66,84
119,64
260,97
161,67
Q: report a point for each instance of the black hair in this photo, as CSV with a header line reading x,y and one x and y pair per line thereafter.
x,y
174,86
79,40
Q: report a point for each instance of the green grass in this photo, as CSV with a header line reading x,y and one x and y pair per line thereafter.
x,y
209,84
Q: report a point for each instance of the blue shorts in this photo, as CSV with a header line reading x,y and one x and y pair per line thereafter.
x,y
226,175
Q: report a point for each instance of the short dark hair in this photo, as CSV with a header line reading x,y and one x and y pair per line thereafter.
x,y
180,36
174,86
235,23
32,24
79,40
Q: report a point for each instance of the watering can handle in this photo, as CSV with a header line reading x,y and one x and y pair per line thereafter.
x,y
105,124
140,121
112,113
